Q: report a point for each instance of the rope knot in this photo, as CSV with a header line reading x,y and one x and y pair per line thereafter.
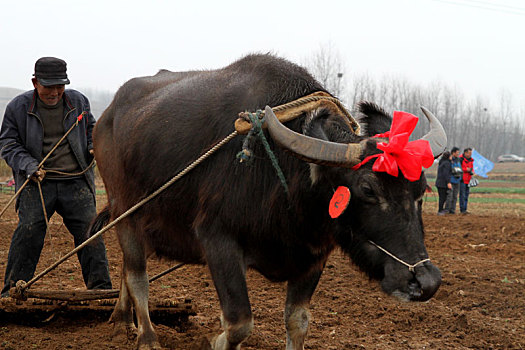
x,y
18,291
246,154
256,120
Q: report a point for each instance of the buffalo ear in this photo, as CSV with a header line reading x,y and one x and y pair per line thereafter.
x,y
372,118
324,125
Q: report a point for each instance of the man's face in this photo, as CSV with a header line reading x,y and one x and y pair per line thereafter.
x,y
455,154
50,95
468,154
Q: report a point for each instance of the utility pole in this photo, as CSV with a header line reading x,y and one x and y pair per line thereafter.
x,y
338,92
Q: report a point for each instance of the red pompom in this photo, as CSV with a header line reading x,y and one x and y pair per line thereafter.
x,y
339,202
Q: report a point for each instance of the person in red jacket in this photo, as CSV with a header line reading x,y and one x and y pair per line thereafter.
x,y
467,164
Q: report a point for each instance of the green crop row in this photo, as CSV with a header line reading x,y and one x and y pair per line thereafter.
x,y
504,190
482,200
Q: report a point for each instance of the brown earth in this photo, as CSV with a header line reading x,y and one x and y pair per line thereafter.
x,y
480,304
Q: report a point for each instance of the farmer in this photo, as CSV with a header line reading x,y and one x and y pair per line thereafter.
x,y
33,123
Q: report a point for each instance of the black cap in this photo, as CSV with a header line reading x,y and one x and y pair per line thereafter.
x,y
51,71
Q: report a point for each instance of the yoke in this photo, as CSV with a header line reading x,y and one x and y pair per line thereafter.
x,y
291,110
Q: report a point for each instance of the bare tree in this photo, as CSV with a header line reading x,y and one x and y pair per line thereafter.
x,y
361,87
327,66
492,130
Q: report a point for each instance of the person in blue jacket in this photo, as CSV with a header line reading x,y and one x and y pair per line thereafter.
x,y
33,123
455,178
443,180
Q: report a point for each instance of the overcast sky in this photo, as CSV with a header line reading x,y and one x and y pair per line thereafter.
x,y
471,44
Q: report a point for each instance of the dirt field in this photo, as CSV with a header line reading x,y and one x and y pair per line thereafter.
x,y
480,304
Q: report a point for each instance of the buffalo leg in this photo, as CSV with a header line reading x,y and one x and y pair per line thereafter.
x,y
137,287
122,316
296,313
229,276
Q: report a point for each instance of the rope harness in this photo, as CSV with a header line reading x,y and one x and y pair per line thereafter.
x,y
242,126
411,268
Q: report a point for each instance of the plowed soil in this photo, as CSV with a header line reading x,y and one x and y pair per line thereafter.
x,y
480,304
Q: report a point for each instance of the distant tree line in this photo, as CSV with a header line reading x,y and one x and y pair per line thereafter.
x,y
490,129
98,99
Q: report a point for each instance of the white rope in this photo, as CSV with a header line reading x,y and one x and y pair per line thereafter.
x,y
21,285
410,267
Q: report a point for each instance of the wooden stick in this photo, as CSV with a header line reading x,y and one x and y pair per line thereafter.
x,y
71,295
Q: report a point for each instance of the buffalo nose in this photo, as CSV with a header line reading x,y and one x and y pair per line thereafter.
x,y
414,290
426,283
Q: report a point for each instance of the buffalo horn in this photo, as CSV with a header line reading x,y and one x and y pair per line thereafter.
x,y
436,136
311,149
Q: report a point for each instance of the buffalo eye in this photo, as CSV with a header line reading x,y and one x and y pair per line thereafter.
x,y
368,191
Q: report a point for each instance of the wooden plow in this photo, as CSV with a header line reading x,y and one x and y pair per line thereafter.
x,y
41,306
36,311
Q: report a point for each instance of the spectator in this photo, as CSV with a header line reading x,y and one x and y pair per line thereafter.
x,y
33,123
467,164
443,184
455,179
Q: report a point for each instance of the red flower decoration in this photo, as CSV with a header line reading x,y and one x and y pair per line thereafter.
x,y
398,152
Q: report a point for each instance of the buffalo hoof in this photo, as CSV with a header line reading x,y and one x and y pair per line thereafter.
x,y
124,332
220,342
154,346
202,344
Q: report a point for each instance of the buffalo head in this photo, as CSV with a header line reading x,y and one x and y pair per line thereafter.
x,y
382,228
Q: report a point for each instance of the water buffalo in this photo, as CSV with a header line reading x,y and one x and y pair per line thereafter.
x,y
233,216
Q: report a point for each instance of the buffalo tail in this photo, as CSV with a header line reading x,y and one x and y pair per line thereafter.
x,y
101,220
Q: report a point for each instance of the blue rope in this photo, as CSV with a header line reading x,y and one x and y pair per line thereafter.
x,y
246,155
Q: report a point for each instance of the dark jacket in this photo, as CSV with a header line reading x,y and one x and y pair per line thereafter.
x,y
456,162
444,173
22,133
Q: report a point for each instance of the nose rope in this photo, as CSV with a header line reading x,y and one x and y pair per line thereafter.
x,y
410,267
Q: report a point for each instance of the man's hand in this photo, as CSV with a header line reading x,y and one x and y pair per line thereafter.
x,y
91,151
449,186
39,175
